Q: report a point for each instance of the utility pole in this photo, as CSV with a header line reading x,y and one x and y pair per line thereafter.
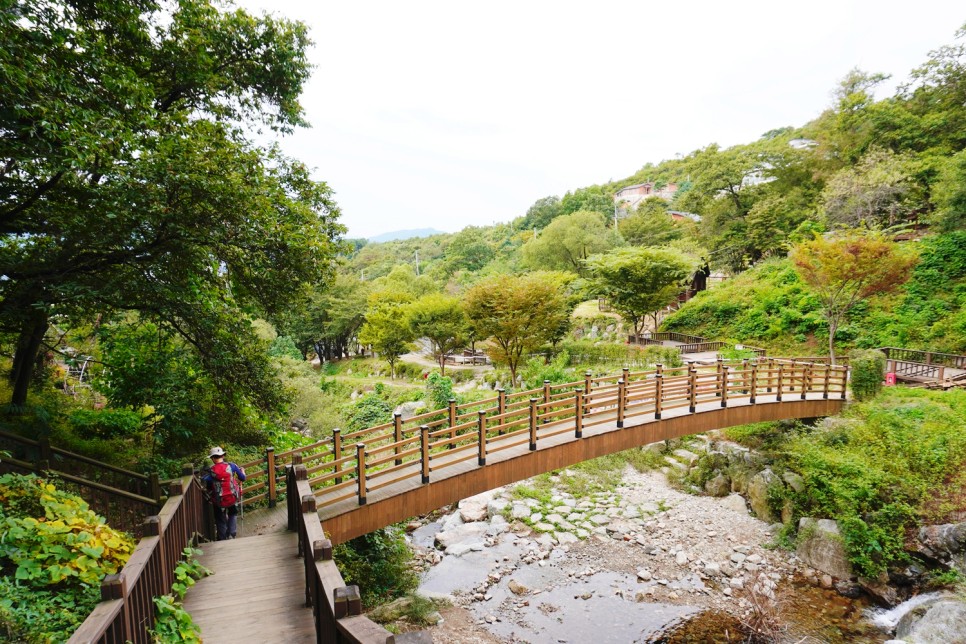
x,y
417,263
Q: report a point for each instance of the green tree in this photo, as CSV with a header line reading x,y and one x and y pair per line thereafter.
x,y
650,225
876,191
440,319
388,331
468,250
949,193
518,313
568,241
541,213
845,269
328,319
128,181
640,281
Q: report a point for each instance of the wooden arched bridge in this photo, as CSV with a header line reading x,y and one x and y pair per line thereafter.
x,y
380,475
360,481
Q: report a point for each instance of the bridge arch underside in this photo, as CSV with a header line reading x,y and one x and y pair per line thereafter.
x,y
347,519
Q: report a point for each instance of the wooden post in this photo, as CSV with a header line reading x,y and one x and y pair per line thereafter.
x,y
770,366
621,393
322,550
533,424
361,471
626,375
309,504
481,427
845,381
587,382
270,472
659,369
546,397
781,373
658,393
501,406
942,372
744,375
346,602
424,444
397,433
115,587
719,364
692,387
337,452
724,385
155,483
578,414
754,381
828,373
46,456
452,423
806,379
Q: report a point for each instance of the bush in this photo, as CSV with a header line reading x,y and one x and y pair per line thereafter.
x,y
105,423
379,563
439,390
868,370
285,346
56,551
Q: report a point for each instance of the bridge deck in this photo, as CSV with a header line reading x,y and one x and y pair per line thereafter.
x,y
256,593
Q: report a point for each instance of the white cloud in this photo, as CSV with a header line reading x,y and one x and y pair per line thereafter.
x,y
447,114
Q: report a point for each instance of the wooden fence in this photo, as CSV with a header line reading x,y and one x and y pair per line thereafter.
x,y
351,465
127,610
951,360
336,608
123,497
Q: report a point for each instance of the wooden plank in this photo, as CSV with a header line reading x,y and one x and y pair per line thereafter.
x,y
256,593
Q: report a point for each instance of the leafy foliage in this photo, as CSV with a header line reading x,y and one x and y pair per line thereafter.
x,y
172,622
379,563
867,371
54,554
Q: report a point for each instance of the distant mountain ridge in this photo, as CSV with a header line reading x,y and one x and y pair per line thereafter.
x,y
396,235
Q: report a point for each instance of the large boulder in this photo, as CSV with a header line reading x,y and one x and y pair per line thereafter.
x,y
758,488
475,507
720,485
941,620
735,503
820,545
467,534
946,542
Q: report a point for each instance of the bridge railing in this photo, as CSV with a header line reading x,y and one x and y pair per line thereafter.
x,y
126,611
427,444
336,607
925,357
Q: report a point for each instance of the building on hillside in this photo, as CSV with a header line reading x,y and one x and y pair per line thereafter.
x,y
630,197
679,215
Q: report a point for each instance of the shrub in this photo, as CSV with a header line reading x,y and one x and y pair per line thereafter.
x,y
439,390
868,370
57,551
105,423
379,563
285,346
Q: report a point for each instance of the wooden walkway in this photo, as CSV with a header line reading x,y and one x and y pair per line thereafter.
x,y
256,593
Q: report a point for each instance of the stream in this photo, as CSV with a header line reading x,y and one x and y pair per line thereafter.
x,y
651,565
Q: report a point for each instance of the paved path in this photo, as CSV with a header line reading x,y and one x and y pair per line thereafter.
x,y
256,593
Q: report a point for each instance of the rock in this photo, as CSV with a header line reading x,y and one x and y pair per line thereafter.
x,y
520,511
712,569
794,481
496,507
848,589
461,548
408,409
880,589
600,519
566,537
681,558
758,488
685,456
737,557
820,546
468,532
826,581
676,464
720,485
735,503
517,588
945,542
934,621
475,508
543,527
644,575
655,448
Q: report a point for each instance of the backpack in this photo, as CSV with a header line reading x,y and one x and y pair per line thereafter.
x,y
225,488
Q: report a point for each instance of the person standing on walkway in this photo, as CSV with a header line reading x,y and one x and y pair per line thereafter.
x,y
223,479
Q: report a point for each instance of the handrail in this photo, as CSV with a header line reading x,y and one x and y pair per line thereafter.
x,y
126,611
925,357
592,402
336,608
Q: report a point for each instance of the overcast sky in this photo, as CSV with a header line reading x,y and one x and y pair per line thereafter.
x,y
448,114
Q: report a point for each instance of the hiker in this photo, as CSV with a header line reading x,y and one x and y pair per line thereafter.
x,y
221,479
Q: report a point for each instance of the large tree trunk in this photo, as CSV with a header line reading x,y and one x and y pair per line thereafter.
x,y
25,358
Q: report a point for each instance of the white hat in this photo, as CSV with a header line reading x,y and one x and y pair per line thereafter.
x,y
216,451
